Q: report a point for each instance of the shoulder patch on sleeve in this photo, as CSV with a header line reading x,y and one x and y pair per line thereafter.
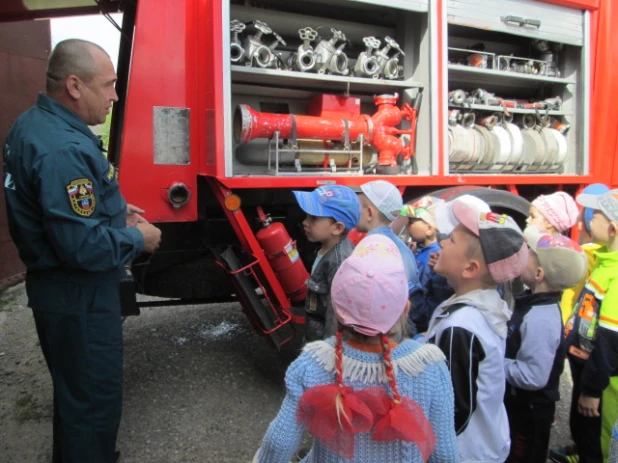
x,y
81,195
111,174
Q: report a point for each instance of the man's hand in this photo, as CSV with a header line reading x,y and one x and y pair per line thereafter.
x,y
433,258
588,406
133,215
412,246
152,236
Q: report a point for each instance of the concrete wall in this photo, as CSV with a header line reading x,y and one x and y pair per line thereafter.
x,y
24,48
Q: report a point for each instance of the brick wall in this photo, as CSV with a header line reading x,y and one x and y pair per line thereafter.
x,y
24,48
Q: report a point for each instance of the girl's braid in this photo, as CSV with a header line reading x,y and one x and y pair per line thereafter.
x,y
341,413
386,353
339,358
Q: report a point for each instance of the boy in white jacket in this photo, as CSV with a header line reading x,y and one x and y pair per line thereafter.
x,y
484,250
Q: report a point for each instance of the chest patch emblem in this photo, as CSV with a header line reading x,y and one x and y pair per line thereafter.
x,y
81,194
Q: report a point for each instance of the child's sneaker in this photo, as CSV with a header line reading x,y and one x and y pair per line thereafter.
x,y
567,454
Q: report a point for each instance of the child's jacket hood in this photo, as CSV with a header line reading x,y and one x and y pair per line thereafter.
x,y
488,302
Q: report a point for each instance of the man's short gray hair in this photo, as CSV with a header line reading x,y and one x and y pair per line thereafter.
x,y
72,56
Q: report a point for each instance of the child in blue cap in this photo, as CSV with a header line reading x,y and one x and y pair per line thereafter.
x,y
332,211
570,295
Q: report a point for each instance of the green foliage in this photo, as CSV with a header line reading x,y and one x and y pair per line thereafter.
x,y
105,129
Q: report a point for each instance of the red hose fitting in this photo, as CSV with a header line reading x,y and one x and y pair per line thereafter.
x,y
378,130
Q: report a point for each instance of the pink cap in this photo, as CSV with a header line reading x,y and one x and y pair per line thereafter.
x,y
559,209
370,290
502,241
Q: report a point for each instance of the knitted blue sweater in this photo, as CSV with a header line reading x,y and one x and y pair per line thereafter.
x,y
421,374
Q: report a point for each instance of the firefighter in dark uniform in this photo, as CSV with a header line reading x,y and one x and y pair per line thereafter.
x,y
74,232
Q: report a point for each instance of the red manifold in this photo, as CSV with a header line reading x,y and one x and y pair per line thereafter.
x,y
378,130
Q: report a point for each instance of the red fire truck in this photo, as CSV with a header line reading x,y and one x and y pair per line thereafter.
x,y
227,106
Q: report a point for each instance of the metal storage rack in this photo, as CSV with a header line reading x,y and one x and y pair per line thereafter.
x,y
289,91
482,46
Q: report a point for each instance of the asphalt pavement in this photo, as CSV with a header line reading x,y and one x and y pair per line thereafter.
x,y
200,386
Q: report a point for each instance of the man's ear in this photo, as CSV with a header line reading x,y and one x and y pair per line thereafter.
x,y
73,87
613,229
339,228
430,231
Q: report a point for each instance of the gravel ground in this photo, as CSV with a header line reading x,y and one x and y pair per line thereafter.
x,y
200,386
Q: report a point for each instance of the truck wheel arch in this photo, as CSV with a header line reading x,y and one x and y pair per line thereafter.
x,y
499,200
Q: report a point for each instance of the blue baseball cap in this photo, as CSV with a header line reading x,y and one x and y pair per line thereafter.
x,y
336,201
594,189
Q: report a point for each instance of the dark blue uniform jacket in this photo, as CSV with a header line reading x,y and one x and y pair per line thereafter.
x,y
66,214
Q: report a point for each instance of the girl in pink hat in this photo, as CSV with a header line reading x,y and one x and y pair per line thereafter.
x,y
360,394
553,214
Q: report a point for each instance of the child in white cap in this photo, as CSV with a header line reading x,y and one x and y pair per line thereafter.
x,y
484,250
569,295
567,453
363,397
592,336
535,347
380,205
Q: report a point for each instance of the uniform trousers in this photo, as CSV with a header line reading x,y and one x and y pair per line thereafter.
x,y
80,331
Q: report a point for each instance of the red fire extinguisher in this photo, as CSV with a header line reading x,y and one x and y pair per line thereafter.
x,y
283,256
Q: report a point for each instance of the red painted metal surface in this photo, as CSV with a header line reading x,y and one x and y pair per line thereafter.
x,y
581,4
281,318
604,106
188,38
282,254
378,130
178,62
334,106
250,243
245,182
209,48
164,73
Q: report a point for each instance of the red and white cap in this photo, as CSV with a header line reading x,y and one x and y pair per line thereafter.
x,y
443,212
502,241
